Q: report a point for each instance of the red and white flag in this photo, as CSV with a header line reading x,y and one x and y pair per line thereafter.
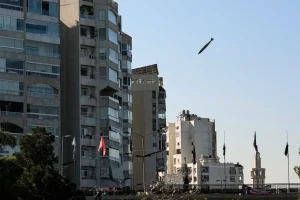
x,y
102,146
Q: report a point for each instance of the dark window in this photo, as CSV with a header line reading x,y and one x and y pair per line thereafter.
x,y
83,32
45,8
102,33
83,71
154,124
153,94
178,151
167,153
14,64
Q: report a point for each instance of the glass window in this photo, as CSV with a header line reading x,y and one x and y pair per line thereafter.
x,y
102,34
112,17
53,9
10,87
113,75
109,111
11,23
35,6
42,91
113,56
42,49
10,43
126,65
39,27
102,54
102,15
47,71
127,114
102,71
51,110
11,66
113,36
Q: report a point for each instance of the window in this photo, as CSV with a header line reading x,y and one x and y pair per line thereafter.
x,y
11,87
113,75
11,23
232,178
205,170
10,44
127,114
205,178
178,151
42,49
51,110
84,71
127,81
174,161
42,70
102,34
178,144
43,7
43,28
11,66
109,112
84,91
195,178
102,71
154,125
126,65
153,94
102,15
112,17
113,56
42,91
83,31
232,170
113,36
102,54
84,153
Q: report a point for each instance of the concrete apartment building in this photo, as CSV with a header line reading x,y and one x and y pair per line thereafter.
x,y
149,120
190,129
29,67
187,130
96,93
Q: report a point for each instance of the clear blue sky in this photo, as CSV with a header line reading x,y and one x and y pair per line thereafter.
x,y
248,79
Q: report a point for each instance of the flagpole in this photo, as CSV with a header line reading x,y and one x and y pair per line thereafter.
x,y
224,165
288,158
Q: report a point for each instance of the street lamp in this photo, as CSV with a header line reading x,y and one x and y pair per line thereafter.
x,y
144,155
62,153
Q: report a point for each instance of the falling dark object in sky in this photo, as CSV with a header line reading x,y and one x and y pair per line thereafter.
x,y
206,45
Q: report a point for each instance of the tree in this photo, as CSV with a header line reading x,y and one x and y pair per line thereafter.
x,y
6,139
297,169
30,174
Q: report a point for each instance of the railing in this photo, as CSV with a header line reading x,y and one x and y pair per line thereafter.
x,y
43,95
40,53
41,74
11,70
11,7
12,49
42,116
88,0
87,114
11,114
11,92
87,16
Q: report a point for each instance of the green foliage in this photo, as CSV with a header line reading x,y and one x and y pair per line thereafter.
x,y
7,139
30,174
297,170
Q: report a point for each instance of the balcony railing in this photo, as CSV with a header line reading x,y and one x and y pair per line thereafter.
x,y
42,116
11,92
87,114
87,16
41,74
43,95
11,70
11,114
11,7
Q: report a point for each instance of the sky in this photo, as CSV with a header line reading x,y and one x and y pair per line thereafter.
x,y
247,79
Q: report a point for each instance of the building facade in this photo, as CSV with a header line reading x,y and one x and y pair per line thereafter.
x,y
149,122
210,172
29,68
189,129
258,174
96,92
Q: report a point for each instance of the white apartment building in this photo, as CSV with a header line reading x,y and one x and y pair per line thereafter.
x,y
189,129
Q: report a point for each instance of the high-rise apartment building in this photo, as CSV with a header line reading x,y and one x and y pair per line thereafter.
x,y
96,93
29,67
149,121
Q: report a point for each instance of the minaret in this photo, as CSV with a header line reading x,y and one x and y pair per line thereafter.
x,y
258,173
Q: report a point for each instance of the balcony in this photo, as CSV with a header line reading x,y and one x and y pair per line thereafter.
x,y
107,101
88,119
87,41
11,95
42,119
89,142
87,2
88,162
87,20
85,182
88,80
88,100
88,60
11,114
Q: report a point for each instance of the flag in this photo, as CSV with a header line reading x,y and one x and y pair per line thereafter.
x,y
194,155
130,145
286,151
102,146
74,147
224,149
254,143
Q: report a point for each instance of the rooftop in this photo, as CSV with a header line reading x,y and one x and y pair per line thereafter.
x,y
150,69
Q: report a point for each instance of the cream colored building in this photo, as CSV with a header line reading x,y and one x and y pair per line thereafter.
x,y
258,174
149,120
